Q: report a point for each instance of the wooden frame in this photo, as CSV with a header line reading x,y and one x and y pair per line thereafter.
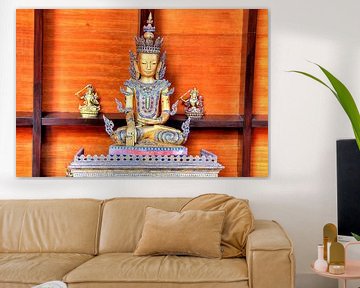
x,y
38,75
245,123
249,84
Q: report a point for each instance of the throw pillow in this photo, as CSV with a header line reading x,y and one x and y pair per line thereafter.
x,y
238,223
196,233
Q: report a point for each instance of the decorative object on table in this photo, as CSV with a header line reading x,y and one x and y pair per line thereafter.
x,y
341,267
344,97
51,284
337,258
333,251
329,236
145,146
320,264
91,105
194,105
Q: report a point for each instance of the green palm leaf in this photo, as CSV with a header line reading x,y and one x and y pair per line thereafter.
x,y
357,237
344,97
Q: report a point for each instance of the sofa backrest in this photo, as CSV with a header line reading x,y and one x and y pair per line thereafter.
x,y
67,226
123,220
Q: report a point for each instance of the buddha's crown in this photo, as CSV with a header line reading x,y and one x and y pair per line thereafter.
x,y
146,43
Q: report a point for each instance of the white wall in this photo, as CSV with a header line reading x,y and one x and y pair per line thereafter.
x,y
305,120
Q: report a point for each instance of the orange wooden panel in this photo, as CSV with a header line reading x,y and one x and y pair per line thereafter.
x,y
203,50
24,59
23,151
224,143
260,96
61,144
260,153
199,21
82,47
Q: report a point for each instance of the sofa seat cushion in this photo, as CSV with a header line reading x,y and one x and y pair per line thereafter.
x,y
36,268
127,268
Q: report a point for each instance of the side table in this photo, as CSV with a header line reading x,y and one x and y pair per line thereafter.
x,y
352,268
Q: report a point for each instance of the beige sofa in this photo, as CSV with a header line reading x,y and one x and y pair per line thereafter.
x,y
89,243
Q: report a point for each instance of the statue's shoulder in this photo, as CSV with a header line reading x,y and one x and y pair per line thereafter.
x,y
165,87
163,83
131,83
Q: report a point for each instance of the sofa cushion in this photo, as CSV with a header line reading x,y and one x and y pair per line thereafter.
x,y
127,268
193,232
238,223
123,220
36,268
63,226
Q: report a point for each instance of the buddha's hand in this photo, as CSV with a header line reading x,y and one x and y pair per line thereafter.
x,y
131,134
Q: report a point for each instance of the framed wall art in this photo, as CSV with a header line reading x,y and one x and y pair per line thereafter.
x,y
137,93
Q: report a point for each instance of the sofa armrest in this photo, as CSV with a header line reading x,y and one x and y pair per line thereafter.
x,y
269,256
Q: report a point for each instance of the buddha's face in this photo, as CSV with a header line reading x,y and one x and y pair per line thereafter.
x,y
148,64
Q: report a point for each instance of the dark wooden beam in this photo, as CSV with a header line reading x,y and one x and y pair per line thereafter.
x,y
24,119
37,92
260,121
249,84
74,118
144,14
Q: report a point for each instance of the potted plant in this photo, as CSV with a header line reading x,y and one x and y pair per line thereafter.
x,y
348,190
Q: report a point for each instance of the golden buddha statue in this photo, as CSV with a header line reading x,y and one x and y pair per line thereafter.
x,y
147,98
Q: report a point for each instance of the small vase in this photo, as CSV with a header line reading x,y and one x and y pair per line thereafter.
x,y
320,264
328,244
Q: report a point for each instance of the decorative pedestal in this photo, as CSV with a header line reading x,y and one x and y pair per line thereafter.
x,y
147,150
130,165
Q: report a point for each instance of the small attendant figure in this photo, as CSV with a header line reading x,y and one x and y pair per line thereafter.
x,y
91,105
194,105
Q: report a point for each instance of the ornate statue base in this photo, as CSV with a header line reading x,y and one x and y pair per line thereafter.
x,y
144,165
147,150
88,114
